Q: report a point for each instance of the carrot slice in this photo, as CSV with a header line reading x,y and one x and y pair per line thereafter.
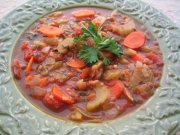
x,y
135,40
117,89
61,95
50,31
76,63
29,66
83,13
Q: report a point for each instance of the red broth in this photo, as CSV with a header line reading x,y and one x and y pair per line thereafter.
x,y
63,84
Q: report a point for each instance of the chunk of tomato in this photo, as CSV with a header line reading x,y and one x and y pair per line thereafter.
x,y
28,54
38,56
51,102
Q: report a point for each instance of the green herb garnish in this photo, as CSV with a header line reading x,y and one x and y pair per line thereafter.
x,y
92,54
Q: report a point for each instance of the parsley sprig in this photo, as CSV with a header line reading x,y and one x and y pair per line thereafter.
x,y
92,54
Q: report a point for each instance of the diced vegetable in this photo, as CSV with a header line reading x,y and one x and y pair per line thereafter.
x,y
16,69
97,70
56,14
112,74
29,66
135,40
52,41
50,31
93,83
117,89
147,49
91,96
141,74
123,61
76,63
39,44
67,43
85,73
36,80
56,55
145,90
56,65
124,29
129,52
61,95
43,82
59,77
102,94
81,85
28,53
42,70
48,61
51,102
83,13
37,92
29,81
138,57
38,56
73,93
99,21
76,116
85,113
24,46
58,22
46,50
112,112
152,56
128,95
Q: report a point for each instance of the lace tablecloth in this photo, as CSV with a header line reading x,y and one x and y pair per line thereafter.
x,y
171,8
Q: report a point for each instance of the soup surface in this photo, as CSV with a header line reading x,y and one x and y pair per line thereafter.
x,y
87,64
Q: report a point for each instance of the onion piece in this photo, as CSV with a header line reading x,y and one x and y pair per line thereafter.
x,y
85,113
46,50
102,94
128,95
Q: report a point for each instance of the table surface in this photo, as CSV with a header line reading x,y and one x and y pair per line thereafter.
x,y
171,8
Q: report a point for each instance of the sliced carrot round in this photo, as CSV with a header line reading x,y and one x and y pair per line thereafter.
x,y
76,63
135,40
50,31
83,13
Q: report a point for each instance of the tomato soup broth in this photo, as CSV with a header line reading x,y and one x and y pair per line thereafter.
x,y
87,64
